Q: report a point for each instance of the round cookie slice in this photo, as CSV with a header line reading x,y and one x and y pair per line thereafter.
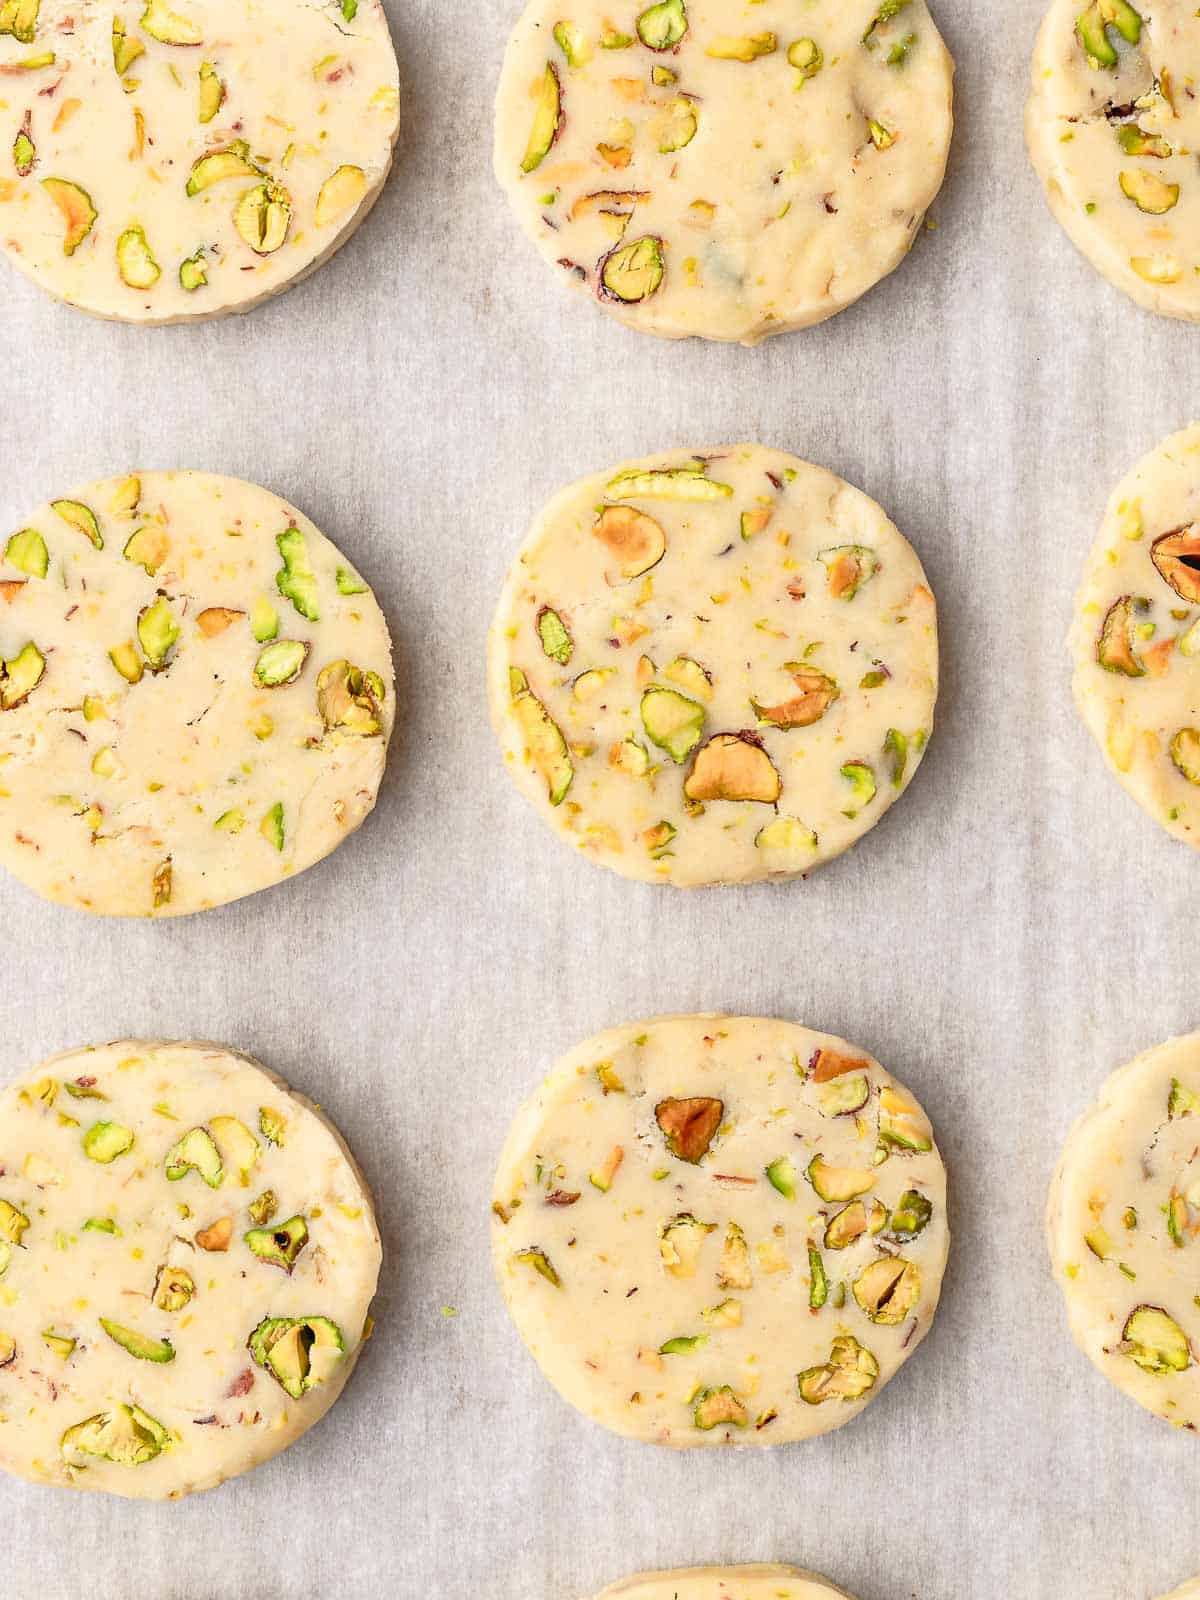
x,y
1123,1225
168,160
720,1230
187,1256
1112,126
706,169
195,695
757,1582
714,668
1135,638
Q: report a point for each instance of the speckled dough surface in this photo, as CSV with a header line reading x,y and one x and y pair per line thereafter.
x,y
718,1230
168,160
726,1583
719,168
187,1257
714,669
1135,639
195,695
1113,126
1124,1230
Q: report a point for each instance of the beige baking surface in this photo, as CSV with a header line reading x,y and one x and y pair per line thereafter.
x,y
1015,928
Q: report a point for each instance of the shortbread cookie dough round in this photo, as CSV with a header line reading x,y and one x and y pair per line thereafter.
x,y
195,695
1124,1230
1112,127
173,160
1189,1591
714,668
757,1582
1135,638
187,1256
707,169
720,1230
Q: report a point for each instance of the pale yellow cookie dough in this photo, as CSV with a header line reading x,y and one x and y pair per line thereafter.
x,y
1123,1225
196,695
1112,126
758,1582
730,171
1135,638
170,160
713,668
187,1256
1189,1591
720,1230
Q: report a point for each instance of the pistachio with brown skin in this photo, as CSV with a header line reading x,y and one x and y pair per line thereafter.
x,y
689,1126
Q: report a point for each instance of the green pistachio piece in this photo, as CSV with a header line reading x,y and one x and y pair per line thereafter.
x,y
157,632
231,162
168,26
1182,1101
1148,191
680,1242
547,121
1176,558
684,1345
717,1408
572,41
263,217
279,1246
27,552
193,274
611,39
125,50
139,1345
635,539
212,92
173,1288
672,722
101,1225
272,1126
681,128
838,1183
555,636
912,1214
1094,23
272,826
540,1262
298,1353
886,11
80,517
844,1095
1135,141
350,699
818,1288
24,152
264,1208
888,1289
1114,649
126,1436
668,483
545,747
742,47
147,547
882,138
781,1175
19,19
848,1374
787,835
264,620
848,568
135,260
1155,1342
631,273
805,55
349,582
195,1152
861,779
127,661
296,580
895,747
663,26
105,1141
1185,753
280,663
13,1223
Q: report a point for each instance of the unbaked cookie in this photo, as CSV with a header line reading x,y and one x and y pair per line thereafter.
x,y
187,1256
703,167
1112,126
1135,637
720,1230
173,160
715,667
1124,1230
195,695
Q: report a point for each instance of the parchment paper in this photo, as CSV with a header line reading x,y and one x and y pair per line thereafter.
x,y
1014,929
